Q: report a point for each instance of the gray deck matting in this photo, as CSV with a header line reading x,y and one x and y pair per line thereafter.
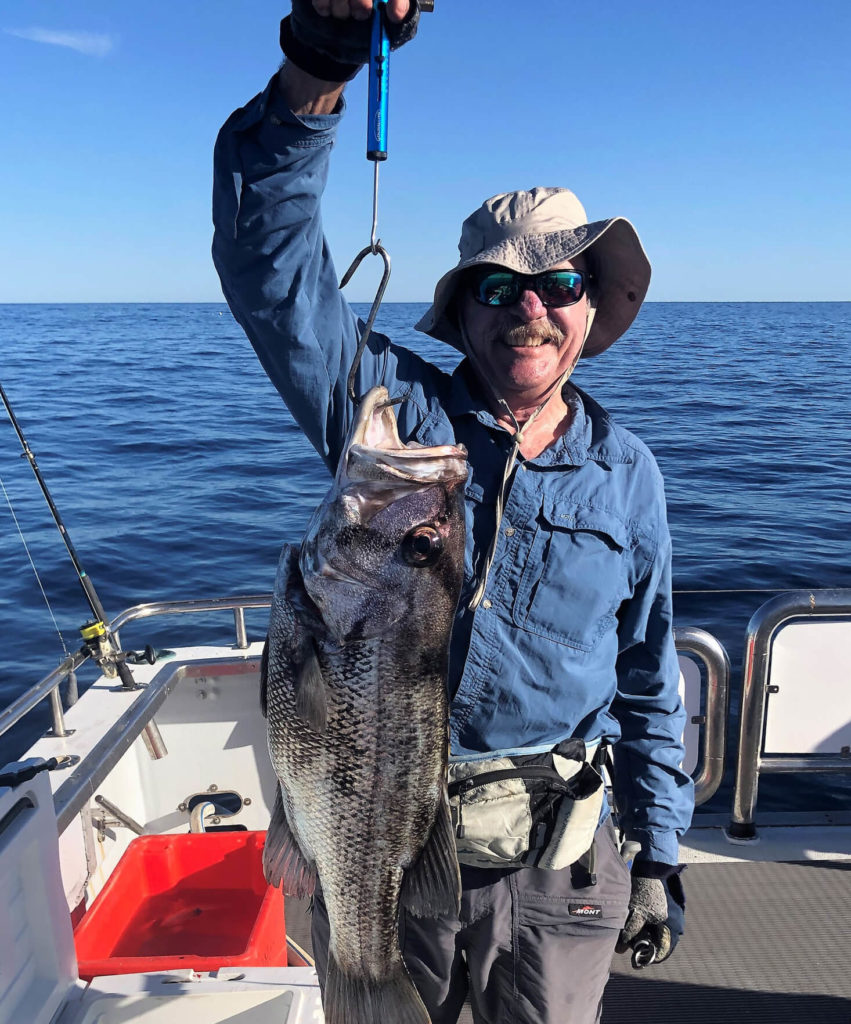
x,y
765,943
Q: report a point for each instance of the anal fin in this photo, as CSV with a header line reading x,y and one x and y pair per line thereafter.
x,y
432,885
283,860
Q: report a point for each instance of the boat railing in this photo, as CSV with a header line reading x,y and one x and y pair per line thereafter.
x,y
712,721
712,703
237,605
784,725
139,718
49,687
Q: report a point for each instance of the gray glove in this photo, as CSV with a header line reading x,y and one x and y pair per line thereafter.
x,y
656,913
648,904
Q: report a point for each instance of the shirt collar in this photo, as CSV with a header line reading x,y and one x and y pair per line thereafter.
x,y
590,436
465,396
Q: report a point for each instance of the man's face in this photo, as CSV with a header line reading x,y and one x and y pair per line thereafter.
x,y
526,347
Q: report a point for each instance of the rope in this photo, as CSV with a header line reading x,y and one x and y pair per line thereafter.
x,y
32,563
517,439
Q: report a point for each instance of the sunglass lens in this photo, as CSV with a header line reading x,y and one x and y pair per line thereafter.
x,y
554,287
497,289
560,287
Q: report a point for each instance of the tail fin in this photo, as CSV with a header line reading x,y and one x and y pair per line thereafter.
x,y
359,1000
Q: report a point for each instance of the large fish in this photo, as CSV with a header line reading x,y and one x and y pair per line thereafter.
x,y
354,689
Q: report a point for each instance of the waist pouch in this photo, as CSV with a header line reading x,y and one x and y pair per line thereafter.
x,y
535,810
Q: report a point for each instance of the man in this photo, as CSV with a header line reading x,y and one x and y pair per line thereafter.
x,y
563,632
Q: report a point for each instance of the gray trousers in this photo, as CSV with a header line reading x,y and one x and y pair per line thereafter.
x,y
529,946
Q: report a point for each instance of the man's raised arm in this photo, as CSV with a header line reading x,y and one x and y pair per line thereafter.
x,y
270,170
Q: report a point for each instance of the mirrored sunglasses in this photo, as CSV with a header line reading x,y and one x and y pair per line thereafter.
x,y
504,287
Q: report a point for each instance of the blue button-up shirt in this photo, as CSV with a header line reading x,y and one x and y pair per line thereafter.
x,y
573,637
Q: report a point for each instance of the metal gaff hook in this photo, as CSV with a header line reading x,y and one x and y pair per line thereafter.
x,y
373,249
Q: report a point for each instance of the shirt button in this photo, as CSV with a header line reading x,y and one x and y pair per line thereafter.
x,y
486,603
509,531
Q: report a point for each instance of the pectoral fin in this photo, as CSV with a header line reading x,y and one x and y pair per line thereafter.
x,y
310,699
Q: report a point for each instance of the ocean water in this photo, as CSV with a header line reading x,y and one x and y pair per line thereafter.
x,y
179,472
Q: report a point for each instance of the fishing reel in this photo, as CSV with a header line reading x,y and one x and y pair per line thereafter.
x,y
99,644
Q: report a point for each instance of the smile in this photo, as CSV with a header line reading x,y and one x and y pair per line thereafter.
x,y
521,343
530,335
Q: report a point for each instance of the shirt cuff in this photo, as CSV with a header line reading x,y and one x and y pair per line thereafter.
x,y
653,869
656,847
279,113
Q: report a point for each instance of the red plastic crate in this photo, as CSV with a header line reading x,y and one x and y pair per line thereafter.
x,y
174,901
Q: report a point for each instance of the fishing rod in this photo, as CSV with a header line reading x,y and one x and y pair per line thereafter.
x,y
98,639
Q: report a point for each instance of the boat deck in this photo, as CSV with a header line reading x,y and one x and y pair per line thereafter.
x,y
765,942
767,932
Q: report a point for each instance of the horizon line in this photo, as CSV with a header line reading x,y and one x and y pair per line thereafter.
x,y
388,302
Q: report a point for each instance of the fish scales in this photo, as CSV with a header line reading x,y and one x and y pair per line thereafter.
x,y
355,695
371,713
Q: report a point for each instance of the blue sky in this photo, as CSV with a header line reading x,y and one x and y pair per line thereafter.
x,y
722,130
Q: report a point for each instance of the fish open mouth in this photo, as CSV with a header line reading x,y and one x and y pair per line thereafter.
x,y
375,450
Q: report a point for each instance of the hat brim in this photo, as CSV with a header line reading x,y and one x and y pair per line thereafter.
x,y
620,266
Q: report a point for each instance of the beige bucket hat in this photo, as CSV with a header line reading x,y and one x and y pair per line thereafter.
x,y
531,231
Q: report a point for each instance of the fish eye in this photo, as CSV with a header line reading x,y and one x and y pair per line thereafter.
x,y
422,546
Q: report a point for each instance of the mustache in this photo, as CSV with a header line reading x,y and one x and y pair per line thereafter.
x,y
531,335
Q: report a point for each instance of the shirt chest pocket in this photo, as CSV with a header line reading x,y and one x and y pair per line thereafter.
x,y
573,579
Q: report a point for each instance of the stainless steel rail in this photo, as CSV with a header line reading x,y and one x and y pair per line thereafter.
x,y
48,688
83,782
712,654
762,629
80,785
45,688
215,604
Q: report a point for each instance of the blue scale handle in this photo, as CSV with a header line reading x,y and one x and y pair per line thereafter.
x,y
379,85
